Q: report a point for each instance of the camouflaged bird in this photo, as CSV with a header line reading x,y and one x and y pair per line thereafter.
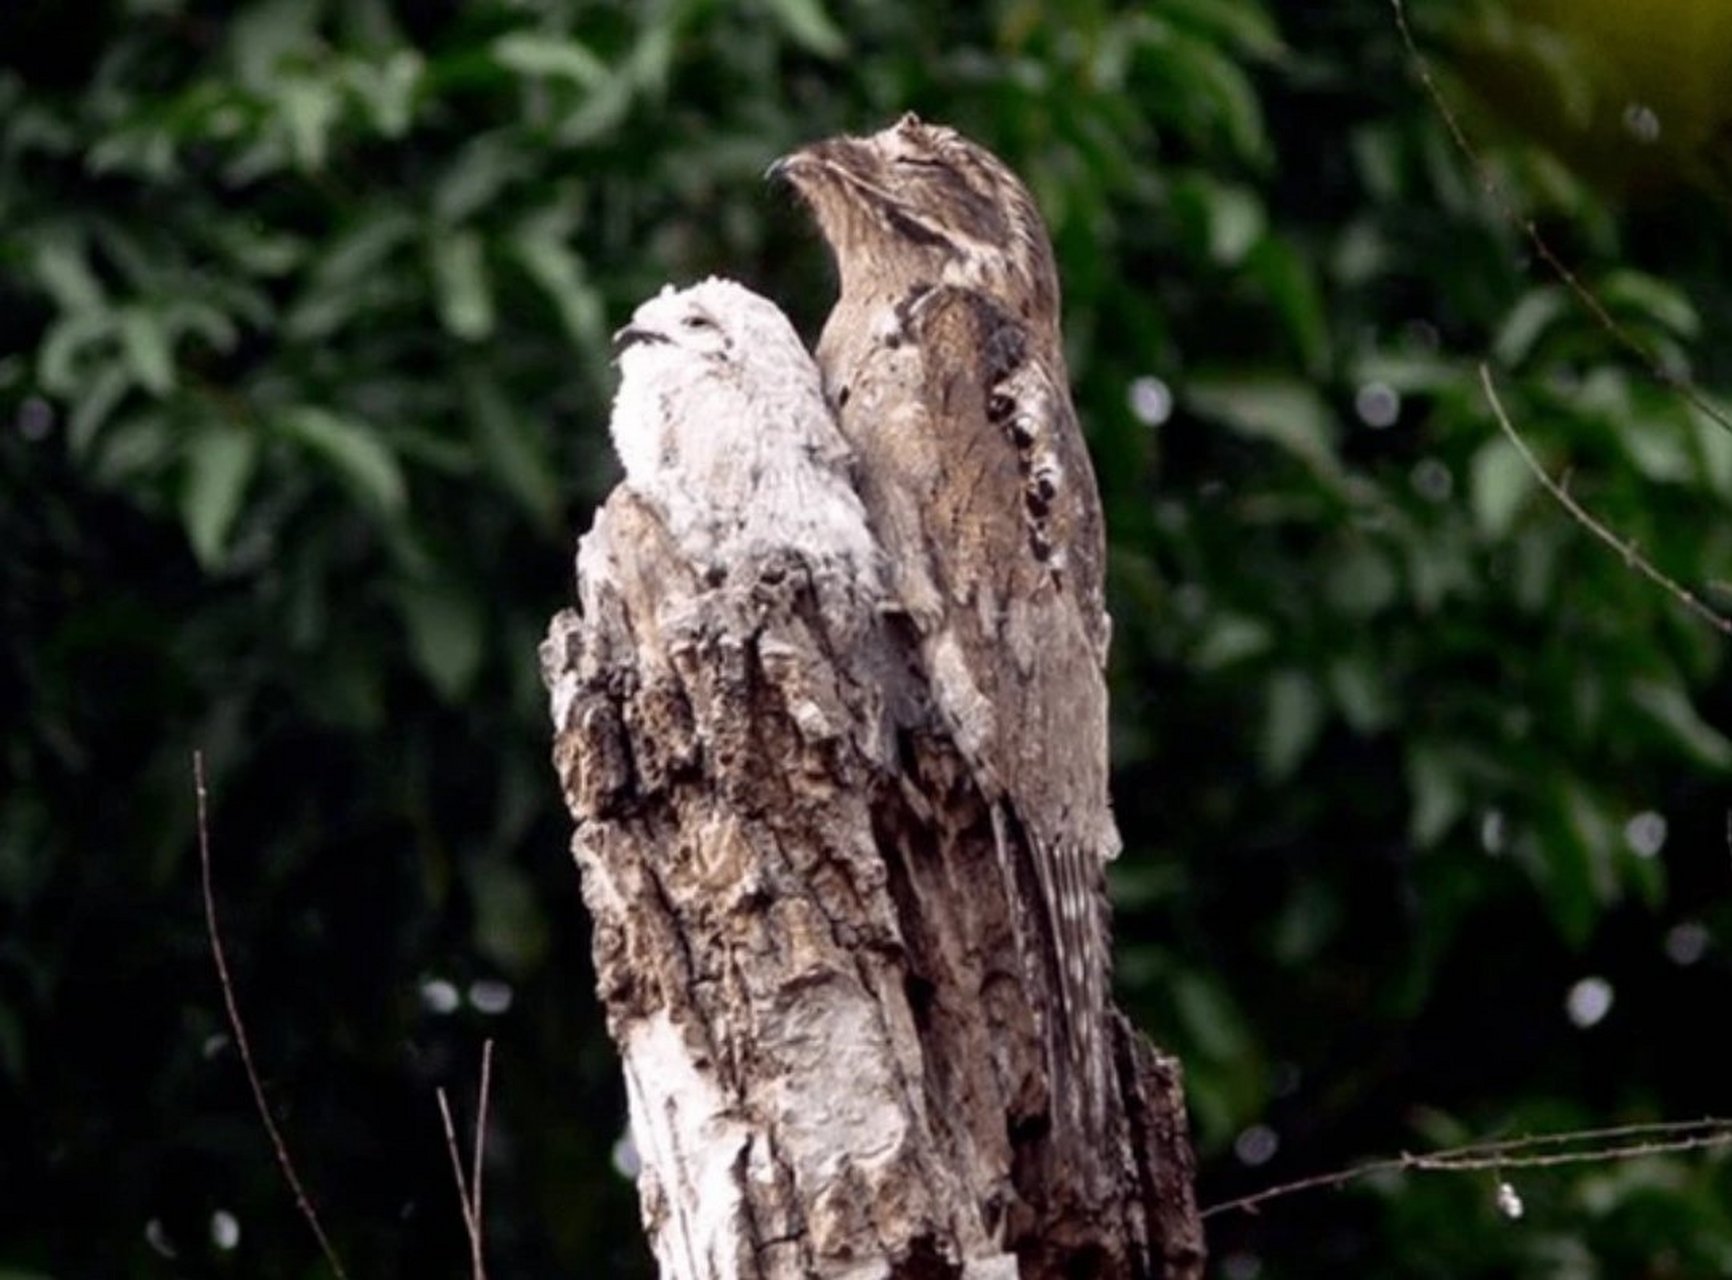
x,y
943,359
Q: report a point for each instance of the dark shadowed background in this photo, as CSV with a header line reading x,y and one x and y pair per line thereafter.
x,y
303,387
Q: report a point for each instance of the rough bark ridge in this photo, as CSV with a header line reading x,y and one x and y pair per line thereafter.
x,y
807,954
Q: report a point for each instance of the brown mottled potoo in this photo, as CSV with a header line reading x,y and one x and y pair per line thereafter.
x,y
944,361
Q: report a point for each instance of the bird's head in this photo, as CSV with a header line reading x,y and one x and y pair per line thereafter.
x,y
921,201
710,329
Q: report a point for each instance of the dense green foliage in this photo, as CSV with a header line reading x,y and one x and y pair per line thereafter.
x,y
302,360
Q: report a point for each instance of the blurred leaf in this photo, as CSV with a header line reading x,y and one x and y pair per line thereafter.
x,y
1293,720
810,26
1291,286
1537,311
353,452
1210,1019
1244,23
533,53
146,346
58,363
1499,483
1216,95
64,272
96,399
541,247
1671,708
1438,799
1229,640
1358,689
476,176
1230,219
510,926
1664,303
465,301
220,460
389,88
1284,411
310,107
513,451
445,635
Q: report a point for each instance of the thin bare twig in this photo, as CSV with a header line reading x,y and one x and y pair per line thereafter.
x,y
1624,1142
469,1189
457,1167
1679,384
1586,519
475,1174
302,1201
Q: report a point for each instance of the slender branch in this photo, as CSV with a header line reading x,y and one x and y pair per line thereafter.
x,y
302,1201
1586,519
469,1189
475,1174
1680,384
1626,1142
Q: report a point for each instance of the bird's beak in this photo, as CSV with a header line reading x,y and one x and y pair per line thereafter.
x,y
789,167
631,335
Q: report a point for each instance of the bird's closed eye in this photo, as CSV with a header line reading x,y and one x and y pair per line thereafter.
x,y
698,322
920,162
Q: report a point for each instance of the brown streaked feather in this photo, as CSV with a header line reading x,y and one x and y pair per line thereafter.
x,y
944,359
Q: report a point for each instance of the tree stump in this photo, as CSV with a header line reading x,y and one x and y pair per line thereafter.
x,y
807,951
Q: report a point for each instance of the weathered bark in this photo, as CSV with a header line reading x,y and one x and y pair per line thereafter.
x,y
808,954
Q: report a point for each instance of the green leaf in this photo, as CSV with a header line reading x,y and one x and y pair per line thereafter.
x,y
263,36
309,108
94,401
541,248
64,272
389,89
1212,1021
1361,581
1358,687
1437,795
1229,639
512,450
1283,411
1596,840
1244,23
1527,321
1288,279
445,635
460,279
1714,444
353,452
1657,300
807,23
476,175
144,341
1671,708
220,461
1499,482
1215,84
537,53
1292,722
1229,219
59,364
510,925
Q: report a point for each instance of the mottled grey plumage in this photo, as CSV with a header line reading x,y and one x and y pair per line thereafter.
x,y
943,358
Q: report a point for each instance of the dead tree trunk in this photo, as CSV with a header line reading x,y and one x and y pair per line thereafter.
x,y
808,956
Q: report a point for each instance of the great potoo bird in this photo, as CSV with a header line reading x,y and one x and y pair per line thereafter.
x,y
721,424
944,361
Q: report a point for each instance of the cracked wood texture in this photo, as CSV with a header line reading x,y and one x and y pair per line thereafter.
x,y
807,952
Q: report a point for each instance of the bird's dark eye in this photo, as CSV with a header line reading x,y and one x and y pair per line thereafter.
x,y
698,322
